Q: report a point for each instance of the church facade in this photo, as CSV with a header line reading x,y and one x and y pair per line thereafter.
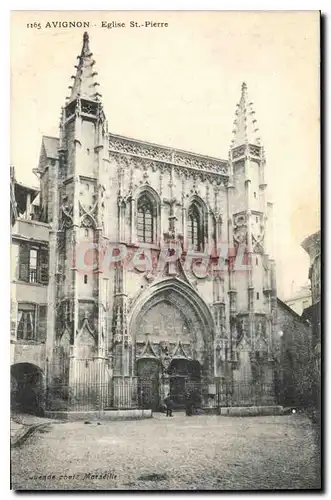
x,y
161,276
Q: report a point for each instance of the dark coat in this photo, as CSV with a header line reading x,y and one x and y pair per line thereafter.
x,y
168,402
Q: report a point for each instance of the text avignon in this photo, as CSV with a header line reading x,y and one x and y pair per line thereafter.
x,y
67,24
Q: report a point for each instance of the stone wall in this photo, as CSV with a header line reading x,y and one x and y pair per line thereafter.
x,y
295,357
30,353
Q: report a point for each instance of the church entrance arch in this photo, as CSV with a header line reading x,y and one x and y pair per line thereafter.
x,y
185,379
172,328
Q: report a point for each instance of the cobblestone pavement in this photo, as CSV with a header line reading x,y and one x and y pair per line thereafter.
x,y
21,422
16,428
188,453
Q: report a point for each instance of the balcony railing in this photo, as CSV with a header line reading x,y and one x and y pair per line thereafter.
x,y
38,275
33,275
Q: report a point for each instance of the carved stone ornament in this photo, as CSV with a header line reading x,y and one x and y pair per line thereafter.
x,y
165,354
222,349
200,270
101,190
193,161
257,246
86,324
240,228
166,363
127,339
149,350
257,227
134,148
240,234
239,152
117,338
240,328
255,150
189,160
149,276
87,217
67,216
180,351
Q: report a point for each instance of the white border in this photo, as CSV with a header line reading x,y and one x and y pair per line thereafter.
x,y
4,185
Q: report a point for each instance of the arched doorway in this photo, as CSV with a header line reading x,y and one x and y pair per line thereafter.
x,y
171,322
185,377
27,388
148,370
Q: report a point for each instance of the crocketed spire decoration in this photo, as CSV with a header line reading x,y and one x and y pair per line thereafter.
x,y
245,126
85,86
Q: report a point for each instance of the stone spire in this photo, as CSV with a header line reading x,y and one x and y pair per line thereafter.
x,y
84,85
245,126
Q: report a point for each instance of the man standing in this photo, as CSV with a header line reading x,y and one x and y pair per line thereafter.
x,y
188,403
169,405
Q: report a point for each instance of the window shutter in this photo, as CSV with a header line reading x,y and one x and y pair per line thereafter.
x,y
42,323
20,325
24,259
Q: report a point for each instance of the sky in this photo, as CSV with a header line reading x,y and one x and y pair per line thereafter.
x,y
179,86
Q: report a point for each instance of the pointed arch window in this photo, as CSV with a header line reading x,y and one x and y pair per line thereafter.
x,y
195,228
145,220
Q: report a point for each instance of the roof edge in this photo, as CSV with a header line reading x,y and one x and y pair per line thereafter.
x,y
289,309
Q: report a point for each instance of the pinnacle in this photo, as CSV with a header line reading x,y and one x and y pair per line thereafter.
x,y
245,129
84,84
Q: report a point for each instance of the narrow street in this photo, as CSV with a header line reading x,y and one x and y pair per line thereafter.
x,y
190,453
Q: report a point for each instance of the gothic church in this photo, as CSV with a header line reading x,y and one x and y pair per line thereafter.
x,y
137,304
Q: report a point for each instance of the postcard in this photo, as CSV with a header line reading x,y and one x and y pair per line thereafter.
x,y
165,250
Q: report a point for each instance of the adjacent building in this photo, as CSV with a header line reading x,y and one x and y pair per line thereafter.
x,y
295,384
13,204
312,245
300,299
29,295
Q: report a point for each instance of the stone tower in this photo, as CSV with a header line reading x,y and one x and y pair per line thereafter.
x,y
252,289
79,299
